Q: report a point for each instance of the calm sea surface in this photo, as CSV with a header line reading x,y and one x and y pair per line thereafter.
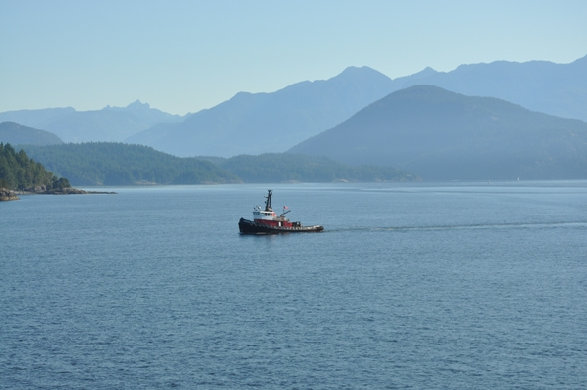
x,y
416,286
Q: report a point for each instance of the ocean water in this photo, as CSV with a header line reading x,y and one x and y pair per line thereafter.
x,y
411,286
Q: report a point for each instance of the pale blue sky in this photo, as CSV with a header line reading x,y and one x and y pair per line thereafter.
x,y
185,55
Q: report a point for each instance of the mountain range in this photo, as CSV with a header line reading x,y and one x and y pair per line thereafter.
x,y
17,134
556,89
107,124
254,123
439,135
363,117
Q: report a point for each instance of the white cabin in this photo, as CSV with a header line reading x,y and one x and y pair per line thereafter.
x,y
263,214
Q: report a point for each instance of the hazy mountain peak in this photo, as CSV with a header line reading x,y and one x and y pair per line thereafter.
x,y
427,71
421,93
362,72
253,123
241,95
421,88
17,134
424,73
438,134
358,69
137,104
108,124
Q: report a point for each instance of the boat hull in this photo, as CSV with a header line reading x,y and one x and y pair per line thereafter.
x,y
247,226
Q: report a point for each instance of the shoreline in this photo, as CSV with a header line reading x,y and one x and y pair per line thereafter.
x,y
8,195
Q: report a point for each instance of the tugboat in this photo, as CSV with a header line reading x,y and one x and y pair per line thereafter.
x,y
268,222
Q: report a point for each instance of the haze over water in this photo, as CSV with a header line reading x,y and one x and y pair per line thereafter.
x,y
410,286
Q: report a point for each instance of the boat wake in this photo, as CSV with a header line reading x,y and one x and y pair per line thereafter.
x,y
480,226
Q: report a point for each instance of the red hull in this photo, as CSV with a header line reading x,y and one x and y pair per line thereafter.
x,y
268,222
247,226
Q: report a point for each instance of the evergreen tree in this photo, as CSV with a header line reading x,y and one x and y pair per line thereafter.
x,y
19,172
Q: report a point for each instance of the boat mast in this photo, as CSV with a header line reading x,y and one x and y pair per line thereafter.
x,y
268,201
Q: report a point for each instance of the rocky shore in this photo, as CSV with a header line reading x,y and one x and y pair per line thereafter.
x,y
71,191
6,194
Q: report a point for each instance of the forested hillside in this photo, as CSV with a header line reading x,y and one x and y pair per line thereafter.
x,y
19,172
282,167
116,164
122,164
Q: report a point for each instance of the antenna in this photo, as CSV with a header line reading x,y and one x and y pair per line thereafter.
x,y
268,201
